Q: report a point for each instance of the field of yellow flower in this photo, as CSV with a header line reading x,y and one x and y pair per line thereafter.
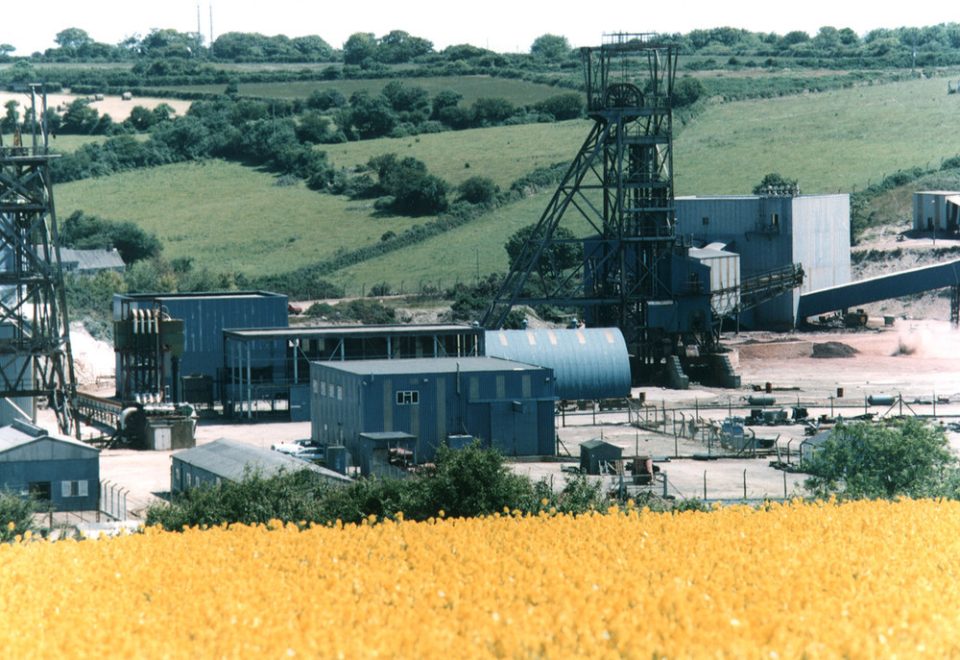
x,y
862,579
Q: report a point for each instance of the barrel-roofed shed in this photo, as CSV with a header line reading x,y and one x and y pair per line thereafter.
x,y
587,363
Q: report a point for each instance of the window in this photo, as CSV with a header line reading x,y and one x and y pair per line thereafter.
x,y
73,488
706,220
339,392
323,388
408,397
775,220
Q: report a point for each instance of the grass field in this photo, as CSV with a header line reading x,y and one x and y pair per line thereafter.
x,y
229,217
234,218
472,88
833,141
503,154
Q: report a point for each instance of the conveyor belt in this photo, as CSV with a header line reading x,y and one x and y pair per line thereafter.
x,y
883,287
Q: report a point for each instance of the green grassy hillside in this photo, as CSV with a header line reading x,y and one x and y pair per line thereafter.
x,y
503,154
233,218
229,217
833,141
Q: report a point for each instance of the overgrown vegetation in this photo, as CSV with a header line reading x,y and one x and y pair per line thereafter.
x,y
16,516
468,482
88,232
901,458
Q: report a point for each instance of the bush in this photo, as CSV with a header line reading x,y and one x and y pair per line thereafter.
x,y
562,106
478,190
255,499
85,232
903,458
16,516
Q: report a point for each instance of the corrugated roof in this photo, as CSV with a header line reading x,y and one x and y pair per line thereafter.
x,y
21,433
198,294
231,459
348,330
594,444
91,260
428,366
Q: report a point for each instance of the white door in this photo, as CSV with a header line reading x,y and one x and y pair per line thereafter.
x,y
162,438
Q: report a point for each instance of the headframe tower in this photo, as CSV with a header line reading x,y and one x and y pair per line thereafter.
x,y
35,357
620,184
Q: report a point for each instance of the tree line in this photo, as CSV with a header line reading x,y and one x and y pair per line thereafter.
x,y
931,45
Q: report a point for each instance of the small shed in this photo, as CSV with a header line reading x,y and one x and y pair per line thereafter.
x,y
813,444
90,262
53,468
936,210
594,453
383,453
230,460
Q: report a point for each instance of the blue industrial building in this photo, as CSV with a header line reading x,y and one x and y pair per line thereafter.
x,y
226,460
587,363
508,406
281,374
53,468
153,355
771,231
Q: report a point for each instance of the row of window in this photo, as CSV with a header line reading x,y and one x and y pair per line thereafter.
x,y
324,389
328,389
43,490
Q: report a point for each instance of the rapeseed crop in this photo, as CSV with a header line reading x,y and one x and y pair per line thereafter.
x,y
859,579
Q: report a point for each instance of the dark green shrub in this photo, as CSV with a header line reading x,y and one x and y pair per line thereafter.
x,y
16,515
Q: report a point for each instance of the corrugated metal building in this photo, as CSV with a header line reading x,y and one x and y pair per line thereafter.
x,y
936,210
595,453
772,232
54,468
292,350
222,460
205,316
724,277
587,363
89,262
507,405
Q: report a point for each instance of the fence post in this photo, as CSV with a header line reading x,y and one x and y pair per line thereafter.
x,y
784,485
704,485
744,484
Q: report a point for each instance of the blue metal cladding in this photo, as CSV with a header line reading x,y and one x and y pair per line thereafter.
x,y
587,363
206,315
506,405
68,470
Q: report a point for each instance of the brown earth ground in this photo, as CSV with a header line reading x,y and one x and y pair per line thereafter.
x,y
115,106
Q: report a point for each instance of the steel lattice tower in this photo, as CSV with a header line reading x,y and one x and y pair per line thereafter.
x,y
621,184
35,356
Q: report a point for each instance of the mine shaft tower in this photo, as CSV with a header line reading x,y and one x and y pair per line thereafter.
x,y
620,184
35,357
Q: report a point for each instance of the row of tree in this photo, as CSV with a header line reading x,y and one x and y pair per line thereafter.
x,y
398,46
